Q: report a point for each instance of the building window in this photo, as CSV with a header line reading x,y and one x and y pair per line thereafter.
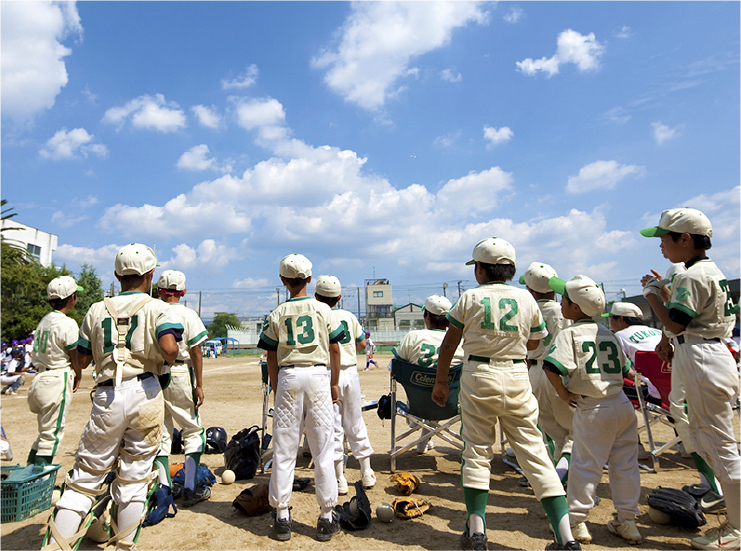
x,y
375,293
34,251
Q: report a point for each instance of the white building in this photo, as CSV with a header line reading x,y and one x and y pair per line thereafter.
x,y
39,244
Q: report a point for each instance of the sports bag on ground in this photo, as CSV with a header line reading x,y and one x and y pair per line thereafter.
x,y
242,454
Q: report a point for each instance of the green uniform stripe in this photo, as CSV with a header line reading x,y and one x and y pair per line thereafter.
x,y
197,338
60,417
558,365
453,321
334,334
84,343
268,340
682,308
202,435
538,328
71,346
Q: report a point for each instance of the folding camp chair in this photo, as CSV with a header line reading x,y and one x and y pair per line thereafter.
x,y
266,453
421,411
648,364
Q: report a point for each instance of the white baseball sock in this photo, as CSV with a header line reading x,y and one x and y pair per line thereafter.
x,y
562,467
326,513
365,466
339,469
129,514
68,522
476,525
281,513
191,469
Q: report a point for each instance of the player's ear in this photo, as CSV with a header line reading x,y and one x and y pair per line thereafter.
x,y
308,280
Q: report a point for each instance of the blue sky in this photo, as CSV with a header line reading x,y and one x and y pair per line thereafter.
x,y
379,139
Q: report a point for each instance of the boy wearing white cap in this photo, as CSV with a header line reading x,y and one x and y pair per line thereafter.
x,y
498,324
422,347
554,415
349,421
591,360
302,337
54,357
130,337
184,393
625,322
699,315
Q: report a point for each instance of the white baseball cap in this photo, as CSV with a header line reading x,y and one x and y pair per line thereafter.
x,y
295,265
437,305
493,250
135,259
537,276
328,286
173,280
684,220
62,287
624,309
582,291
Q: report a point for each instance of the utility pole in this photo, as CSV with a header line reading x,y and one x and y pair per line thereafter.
x,y
445,289
459,288
358,303
277,292
200,296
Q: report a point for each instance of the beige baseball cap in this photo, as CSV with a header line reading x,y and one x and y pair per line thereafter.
x,y
62,287
583,291
295,265
328,286
537,276
437,305
173,280
624,309
493,250
684,220
135,259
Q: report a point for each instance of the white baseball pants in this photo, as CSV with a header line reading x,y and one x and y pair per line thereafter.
x,y
555,417
303,403
500,391
677,408
180,410
605,432
348,414
49,397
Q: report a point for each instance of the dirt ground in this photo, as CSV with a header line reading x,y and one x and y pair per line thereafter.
x,y
515,519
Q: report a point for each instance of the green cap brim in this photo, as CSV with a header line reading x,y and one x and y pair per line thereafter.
x,y
80,288
470,263
607,314
558,285
656,231
522,280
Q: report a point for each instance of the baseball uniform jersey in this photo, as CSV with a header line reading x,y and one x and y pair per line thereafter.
x,y
422,348
638,337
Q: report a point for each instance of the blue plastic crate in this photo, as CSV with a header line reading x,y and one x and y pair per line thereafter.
x,y
26,491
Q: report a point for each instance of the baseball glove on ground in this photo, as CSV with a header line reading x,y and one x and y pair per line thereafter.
x,y
407,507
406,483
253,501
356,513
681,507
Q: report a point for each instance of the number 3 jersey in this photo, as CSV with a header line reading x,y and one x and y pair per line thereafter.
x,y
423,347
354,334
497,320
590,358
55,336
98,334
300,331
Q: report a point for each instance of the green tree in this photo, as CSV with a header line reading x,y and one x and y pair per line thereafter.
x,y
92,291
221,320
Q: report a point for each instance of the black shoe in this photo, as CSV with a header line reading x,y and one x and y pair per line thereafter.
x,y
477,542
282,528
177,490
191,497
696,490
325,529
712,503
573,544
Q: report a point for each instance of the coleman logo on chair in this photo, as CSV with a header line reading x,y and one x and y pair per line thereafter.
x,y
427,379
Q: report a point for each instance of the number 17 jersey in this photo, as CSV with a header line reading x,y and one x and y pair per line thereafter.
x,y
497,320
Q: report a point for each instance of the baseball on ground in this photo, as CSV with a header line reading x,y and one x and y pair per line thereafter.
x,y
385,512
228,477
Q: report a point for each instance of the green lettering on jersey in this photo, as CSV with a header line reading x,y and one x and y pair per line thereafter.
x,y
682,294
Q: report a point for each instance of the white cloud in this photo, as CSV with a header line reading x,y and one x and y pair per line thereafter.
x,y
66,145
147,112
207,116
448,140
67,219
573,47
450,75
245,80
208,253
513,15
102,257
663,132
602,175
624,32
379,40
496,136
196,158
33,69
618,115
89,95
250,283
259,112
476,192
85,203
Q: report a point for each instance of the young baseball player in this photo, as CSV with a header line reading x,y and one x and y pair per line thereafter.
x,y
422,347
554,416
349,421
129,337
370,349
605,428
184,394
302,338
498,324
699,315
626,322
54,355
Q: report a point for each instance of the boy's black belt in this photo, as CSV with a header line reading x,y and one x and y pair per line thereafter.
x,y
141,377
484,359
680,339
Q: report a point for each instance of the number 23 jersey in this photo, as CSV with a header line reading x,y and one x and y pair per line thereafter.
x,y
497,320
591,359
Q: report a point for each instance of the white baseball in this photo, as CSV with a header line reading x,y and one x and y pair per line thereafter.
x,y
353,507
659,517
385,512
228,477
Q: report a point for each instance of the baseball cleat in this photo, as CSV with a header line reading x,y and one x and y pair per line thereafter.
x,y
712,503
477,542
326,528
626,530
696,490
191,497
581,532
282,528
368,480
177,490
424,447
723,537
573,544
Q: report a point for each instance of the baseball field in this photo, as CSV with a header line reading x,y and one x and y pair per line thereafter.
x,y
515,519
